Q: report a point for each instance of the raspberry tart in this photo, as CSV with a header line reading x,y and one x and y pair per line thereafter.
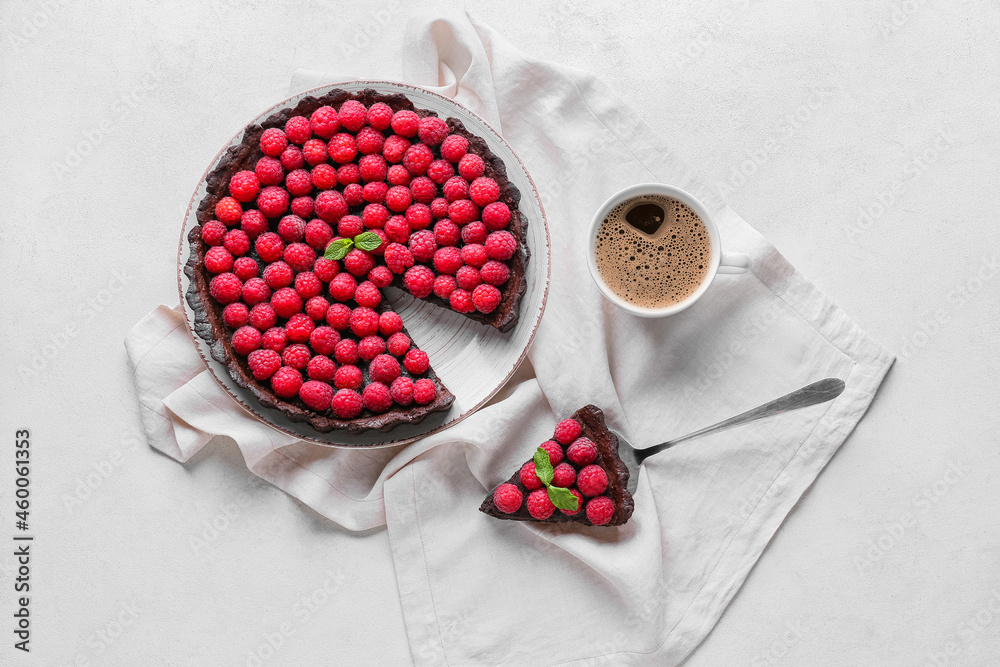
x,y
308,219
576,477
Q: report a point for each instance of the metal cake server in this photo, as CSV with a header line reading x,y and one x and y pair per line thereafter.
x,y
813,394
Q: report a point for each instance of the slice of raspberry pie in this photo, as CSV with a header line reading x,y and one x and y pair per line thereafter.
x,y
576,476
311,215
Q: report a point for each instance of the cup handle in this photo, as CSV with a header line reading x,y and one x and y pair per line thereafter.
x,y
734,262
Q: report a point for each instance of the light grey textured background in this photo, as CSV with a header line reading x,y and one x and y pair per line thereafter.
x,y
860,137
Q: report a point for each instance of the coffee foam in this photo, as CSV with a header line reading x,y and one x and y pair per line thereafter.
x,y
658,270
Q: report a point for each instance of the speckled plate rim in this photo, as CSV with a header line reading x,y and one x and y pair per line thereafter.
x,y
388,87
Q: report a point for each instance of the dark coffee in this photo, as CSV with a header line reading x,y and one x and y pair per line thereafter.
x,y
651,262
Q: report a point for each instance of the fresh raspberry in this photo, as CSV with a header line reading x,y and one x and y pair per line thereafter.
x,y
540,505
494,273
579,503
237,242
592,480
225,288
484,191
255,291
467,278
375,192
323,177
348,174
405,123
354,194
496,216
528,476
342,287
461,301
273,141
321,368
346,351
347,404
416,362
380,276
228,210
395,148
299,256
424,391
291,228
380,116
330,206
418,216
342,148
563,475
384,368
463,211
398,257
278,275
423,189
439,207
582,451
350,226
567,431
308,285
263,363
364,322
555,452
455,188
397,175
471,166
348,377
297,356
353,115
318,234
370,347
236,315
317,395
324,122
397,229
244,186
213,231
475,255
218,260
372,168
263,318
398,344
358,262
316,308
338,316
286,302
298,129
298,183
432,130
370,141
376,397
246,339
419,281
474,232
440,171
367,295
286,382
422,245
274,338
272,201
299,327
389,323
269,171
508,498
486,298
401,390
454,147
398,198
417,158
303,206
253,223
501,245
444,286
600,510
246,268
447,260
374,216
292,158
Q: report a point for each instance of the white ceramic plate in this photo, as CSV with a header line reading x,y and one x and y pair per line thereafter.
x,y
473,360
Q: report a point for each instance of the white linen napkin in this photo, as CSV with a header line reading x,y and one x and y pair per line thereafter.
x,y
479,591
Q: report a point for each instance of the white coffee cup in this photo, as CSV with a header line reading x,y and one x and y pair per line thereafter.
x,y
719,262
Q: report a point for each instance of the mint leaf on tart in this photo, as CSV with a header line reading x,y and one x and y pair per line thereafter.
x,y
561,497
543,467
